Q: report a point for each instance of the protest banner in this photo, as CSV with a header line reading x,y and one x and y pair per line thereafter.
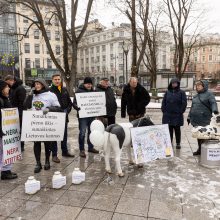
x,y
11,139
151,143
39,127
91,104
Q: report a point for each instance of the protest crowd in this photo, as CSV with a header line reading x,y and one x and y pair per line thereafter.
x,y
55,98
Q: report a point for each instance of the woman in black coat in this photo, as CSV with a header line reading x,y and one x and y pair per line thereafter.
x,y
173,106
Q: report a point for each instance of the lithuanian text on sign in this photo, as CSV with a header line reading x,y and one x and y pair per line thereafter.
x,y
91,104
11,139
213,154
39,127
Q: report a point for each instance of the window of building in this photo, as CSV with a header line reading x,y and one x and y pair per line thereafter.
x,y
57,49
82,61
37,62
120,56
92,59
36,34
97,49
121,33
203,49
195,59
87,60
49,63
111,66
104,37
120,45
37,48
111,47
27,48
47,21
57,35
26,34
103,48
112,34
49,35
120,66
93,40
111,56
98,68
210,49
210,57
97,59
104,58
98,39
25,20
203,58
27,63
92,50
56,21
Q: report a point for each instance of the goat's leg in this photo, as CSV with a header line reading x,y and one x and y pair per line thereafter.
x,y
117,151
107,150
131,162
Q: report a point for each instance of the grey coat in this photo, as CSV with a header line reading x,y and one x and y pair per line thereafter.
x,y
200,114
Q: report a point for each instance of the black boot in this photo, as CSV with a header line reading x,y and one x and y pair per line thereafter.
x,y
8,175
196,153
38,167
47,164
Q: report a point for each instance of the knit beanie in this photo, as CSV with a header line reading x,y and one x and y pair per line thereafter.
x,y
87,80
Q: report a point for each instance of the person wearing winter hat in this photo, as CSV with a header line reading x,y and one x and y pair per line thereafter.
x,y
40,98
84,123
6,173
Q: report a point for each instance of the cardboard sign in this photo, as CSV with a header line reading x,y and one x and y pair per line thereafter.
x,y
151,143
39,127
11,139
91,104
213,154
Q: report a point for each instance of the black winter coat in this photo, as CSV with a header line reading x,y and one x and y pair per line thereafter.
x,y
111,105
17,96
135,104
4,103
63,98
174,105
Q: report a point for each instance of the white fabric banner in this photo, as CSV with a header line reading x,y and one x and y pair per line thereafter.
x,y
91,104
39,127
151,143
11,140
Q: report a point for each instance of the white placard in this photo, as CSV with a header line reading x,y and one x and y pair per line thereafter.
x,y
11,140
33,187
39,127
91,104
59,182
151,143
213,154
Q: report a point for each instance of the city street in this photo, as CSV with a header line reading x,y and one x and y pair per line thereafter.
x,y
177,188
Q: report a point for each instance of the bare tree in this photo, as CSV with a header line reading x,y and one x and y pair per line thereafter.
x,y
70,37
179,16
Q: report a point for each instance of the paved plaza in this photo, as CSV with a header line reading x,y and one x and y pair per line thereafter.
x,y
177,188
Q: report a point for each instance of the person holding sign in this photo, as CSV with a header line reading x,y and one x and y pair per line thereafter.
x,y
41,99
6,173
84,123
173,106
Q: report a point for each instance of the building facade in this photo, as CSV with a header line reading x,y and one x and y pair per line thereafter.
x,y
35,60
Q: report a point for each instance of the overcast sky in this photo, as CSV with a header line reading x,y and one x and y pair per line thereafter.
x,y
107,14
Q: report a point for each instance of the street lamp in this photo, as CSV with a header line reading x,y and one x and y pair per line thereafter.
x,y
126,47
115,57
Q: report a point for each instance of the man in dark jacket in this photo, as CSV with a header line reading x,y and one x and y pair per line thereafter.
x,y
17,96
111,105
135,98
84,123
66,105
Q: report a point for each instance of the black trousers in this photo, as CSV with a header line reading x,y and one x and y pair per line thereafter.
x,y
111,120
37,150
177,133
200,141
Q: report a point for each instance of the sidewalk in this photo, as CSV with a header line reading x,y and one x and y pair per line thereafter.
x,y
178,188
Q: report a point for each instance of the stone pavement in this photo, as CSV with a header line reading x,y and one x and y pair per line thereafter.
x,y
177,188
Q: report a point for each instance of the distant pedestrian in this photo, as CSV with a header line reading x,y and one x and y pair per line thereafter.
x,y
203,105
17,96
135,98
41,99
66,105
111,105
84,123
6,173
173,106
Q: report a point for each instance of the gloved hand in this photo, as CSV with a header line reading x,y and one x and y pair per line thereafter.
x,y
216,112
1,133
188,121
45,111
78,108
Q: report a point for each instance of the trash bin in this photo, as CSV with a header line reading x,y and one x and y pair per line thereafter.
x,y
210,153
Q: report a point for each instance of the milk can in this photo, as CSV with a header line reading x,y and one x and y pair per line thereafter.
x,y
210,153
58,180
32,185
78,176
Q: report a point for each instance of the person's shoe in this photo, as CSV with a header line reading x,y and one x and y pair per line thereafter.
x,y
47,165
8,175
82,154
22,149
178,146
55,159
67,154
197,153
93,150
140,165
38,167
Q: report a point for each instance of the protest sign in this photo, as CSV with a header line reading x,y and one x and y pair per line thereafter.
x,y
11,139
39,127
91,104
151,143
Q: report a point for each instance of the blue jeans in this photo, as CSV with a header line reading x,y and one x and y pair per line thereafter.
x,y
84,123
63,143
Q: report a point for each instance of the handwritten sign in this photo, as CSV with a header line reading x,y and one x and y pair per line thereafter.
x,y
151,143
40,127
11,139
213,154
91,104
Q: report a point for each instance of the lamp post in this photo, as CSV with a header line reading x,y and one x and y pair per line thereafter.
x,y
126,48
115,57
